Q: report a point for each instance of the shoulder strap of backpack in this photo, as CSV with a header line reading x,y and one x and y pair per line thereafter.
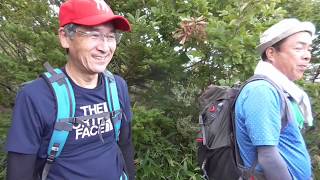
x,y
116,112
113,101
285,113
65,103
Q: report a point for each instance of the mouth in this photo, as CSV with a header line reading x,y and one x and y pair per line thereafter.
x,y
99,58
303,67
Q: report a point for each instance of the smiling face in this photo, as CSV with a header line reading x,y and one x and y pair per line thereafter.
x,y
293,56
91,49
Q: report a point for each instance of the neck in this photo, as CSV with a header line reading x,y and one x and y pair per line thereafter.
x,y
81,78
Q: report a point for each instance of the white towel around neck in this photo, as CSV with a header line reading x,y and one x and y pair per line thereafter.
x,y
301,97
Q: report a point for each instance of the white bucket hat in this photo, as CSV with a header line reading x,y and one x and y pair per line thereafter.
x,y
283,29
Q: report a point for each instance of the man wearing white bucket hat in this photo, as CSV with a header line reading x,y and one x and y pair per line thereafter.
x,y
275,148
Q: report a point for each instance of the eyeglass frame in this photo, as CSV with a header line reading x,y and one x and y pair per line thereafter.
x,y
96,35
71,29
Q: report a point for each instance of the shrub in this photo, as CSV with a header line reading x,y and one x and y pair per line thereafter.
x,y
160,152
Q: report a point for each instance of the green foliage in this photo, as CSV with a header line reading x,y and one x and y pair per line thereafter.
x,y
162,74
161,152
5,116
28,38
233,33
312,140
312,135
313,90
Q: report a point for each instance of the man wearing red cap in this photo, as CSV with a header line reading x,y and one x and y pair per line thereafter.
x,y
89,33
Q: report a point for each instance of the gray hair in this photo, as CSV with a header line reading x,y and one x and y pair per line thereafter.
x,y
70,30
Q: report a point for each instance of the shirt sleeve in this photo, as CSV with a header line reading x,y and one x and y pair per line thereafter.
x,y
33,117
25,133
24,136
261,108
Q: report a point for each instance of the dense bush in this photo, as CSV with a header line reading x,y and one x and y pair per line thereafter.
x,y
5,116
312,135
164,72
161,151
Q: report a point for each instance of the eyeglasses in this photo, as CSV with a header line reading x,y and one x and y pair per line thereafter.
x,y
95,36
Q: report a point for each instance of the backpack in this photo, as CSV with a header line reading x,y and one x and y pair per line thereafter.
x,y
65,118
218,154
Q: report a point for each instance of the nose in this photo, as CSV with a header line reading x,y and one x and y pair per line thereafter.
x,y
103,46
307,55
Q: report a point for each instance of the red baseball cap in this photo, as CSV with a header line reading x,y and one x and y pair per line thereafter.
x,y
90,13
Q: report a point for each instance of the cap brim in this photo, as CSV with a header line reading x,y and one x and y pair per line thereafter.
x,y
119,22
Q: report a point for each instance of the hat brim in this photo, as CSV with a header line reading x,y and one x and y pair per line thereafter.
x,y
119,22
305,26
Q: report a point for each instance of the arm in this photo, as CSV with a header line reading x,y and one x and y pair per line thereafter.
x,y
261,111
25,134
126,146
125,139
20,166
273,165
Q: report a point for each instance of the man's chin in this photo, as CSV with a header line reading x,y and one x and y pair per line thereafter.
x,y
298,77
99,68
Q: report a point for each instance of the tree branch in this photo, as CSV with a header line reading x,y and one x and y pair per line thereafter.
x,y
313,79
10,48
9,88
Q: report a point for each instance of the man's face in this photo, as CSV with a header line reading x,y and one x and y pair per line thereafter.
x,y
294,55
92,48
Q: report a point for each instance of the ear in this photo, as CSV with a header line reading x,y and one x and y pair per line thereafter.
x,y
64,39
271,53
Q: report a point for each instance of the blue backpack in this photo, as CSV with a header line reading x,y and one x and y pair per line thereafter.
x,y
66,106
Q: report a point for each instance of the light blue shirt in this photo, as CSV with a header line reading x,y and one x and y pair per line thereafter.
x,y
258,123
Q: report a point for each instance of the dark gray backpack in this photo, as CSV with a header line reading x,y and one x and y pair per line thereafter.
x,y
218,154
